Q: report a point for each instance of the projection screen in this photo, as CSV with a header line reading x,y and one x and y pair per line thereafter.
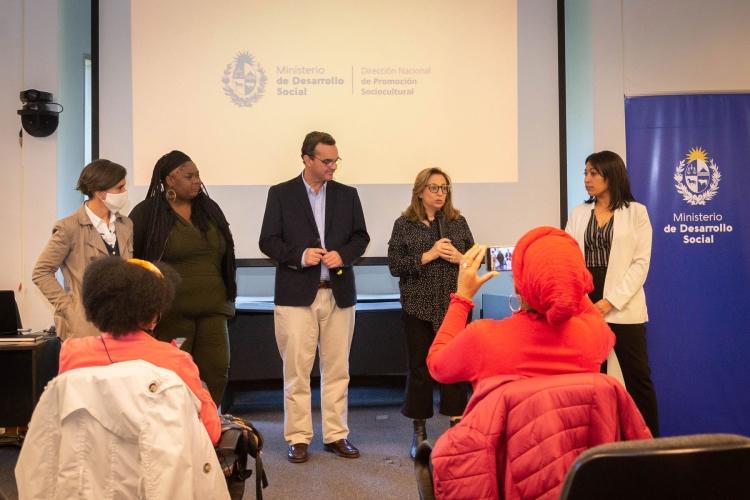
x,y
399,84
468,86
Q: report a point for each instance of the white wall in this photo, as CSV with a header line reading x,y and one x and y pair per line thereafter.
x,y
579,91
74,45
648,47
28,57
594,74
685,46
607,54
11,79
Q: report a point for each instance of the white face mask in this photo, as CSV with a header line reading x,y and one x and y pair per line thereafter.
x,y
116,202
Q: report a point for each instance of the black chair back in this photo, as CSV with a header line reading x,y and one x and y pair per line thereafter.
x,y
684,467
423,471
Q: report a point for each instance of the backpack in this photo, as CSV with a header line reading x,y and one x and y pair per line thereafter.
x,y
240,438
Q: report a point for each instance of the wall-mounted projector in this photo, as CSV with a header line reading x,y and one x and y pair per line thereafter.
x,y
39,115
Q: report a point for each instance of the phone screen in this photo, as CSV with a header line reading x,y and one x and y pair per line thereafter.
x,y
499,258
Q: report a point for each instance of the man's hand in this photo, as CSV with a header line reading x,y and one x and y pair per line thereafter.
x,y
313,256
332,259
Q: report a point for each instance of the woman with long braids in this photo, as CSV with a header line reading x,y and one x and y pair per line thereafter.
x,y
179,224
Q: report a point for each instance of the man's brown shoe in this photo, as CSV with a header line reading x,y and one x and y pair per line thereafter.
x,y
342,448
297,453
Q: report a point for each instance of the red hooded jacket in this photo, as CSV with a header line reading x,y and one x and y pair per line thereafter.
x,y
519,436
561,332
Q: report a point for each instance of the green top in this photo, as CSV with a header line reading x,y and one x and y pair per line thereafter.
x,y
197,259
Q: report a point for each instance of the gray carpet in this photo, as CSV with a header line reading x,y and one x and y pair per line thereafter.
x,y
383,471
382,434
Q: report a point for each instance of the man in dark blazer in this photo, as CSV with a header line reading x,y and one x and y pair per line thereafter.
x,y
314,229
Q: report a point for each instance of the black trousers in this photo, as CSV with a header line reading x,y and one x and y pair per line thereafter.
x,y
632,354
633,357
419,384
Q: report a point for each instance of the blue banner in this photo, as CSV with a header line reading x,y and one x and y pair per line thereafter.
x,y
688,158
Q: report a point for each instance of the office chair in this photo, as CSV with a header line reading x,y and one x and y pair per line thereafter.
x,y
685,467
423,471
519,436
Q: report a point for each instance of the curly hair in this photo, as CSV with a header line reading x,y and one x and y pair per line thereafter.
x,y
121,297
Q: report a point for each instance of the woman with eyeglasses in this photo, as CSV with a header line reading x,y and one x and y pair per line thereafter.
x,y
179,224
614,233
426,245
97,229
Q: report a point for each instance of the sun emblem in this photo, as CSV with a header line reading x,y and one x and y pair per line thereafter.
x,y
697,177
697,154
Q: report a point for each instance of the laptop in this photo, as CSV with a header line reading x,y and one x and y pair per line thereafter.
x,y
10,320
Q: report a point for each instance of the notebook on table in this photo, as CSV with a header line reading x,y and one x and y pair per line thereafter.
x,y
10,320
11,329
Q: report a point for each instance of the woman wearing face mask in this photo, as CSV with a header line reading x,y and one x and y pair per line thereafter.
x,y
179,224
95,230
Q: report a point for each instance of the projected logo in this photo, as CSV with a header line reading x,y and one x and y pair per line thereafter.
x,y
697,177
244,80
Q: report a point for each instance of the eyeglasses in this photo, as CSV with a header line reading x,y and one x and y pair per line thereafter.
x,y
434,188
328,162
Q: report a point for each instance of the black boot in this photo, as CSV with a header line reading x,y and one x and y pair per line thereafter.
x,y
420,434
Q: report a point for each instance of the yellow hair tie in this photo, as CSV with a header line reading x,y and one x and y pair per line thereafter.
x,y
147,266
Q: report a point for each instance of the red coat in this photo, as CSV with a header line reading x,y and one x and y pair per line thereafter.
x,y
518,440
524,344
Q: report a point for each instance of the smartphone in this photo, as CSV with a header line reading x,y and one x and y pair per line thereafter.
x,y
499,258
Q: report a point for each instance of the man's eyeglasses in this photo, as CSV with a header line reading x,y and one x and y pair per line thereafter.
x,y
328,162
434,188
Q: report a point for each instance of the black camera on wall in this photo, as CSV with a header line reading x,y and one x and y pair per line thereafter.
x,y
39,115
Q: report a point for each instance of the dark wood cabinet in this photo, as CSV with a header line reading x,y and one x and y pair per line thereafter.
x,y
378,346
25,370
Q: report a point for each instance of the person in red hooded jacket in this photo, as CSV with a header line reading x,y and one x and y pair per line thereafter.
x,y
558,329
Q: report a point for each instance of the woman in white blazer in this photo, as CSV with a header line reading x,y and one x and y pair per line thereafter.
x,y
614,233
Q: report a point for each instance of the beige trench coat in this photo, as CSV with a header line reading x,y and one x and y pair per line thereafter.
x,y
74,243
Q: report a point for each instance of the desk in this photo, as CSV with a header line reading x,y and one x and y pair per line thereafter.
x,y
495,306
378,346
25,370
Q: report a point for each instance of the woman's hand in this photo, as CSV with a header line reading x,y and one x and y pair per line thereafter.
x,y
450,253
440,249
469,280
604,306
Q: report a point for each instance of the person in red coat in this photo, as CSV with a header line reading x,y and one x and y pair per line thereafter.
x,y
558,329
524,427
